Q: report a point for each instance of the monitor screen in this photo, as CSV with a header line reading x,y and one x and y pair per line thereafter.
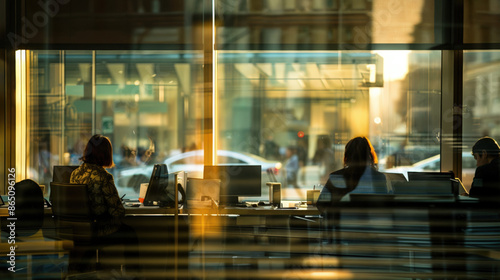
x,y
429,183
157,193
62,173
236,181
429,176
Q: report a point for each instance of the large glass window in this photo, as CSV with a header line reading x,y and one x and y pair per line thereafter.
x,y
146,102
269,106
278,104
481,99
270,101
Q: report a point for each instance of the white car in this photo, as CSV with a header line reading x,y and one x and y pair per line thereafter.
x,y
193,161
128,180
434,164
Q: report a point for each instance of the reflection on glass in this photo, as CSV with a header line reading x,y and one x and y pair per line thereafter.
x,y
481,99
280,104
274,24
143,101
481,21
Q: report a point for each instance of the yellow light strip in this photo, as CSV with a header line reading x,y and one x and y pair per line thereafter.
x,y
214,89
21,115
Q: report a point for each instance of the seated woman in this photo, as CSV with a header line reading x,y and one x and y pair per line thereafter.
x,y
103,195
359,174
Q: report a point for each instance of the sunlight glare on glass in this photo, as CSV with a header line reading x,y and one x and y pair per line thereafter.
x,y
395,64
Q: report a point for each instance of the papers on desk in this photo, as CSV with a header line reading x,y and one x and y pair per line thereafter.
x,y
202,193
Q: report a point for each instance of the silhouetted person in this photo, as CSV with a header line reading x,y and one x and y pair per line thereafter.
x,y
359,174
324,157
302,152
291,166
486,182
106,204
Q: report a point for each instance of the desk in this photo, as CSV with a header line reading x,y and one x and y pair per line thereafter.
x,y
458,239
407,237
254,211
149,210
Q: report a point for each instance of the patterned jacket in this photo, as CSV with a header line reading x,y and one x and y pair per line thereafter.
x,y
104,199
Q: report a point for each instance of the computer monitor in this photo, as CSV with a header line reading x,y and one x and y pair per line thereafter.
x,y
236,181
62,173
435,183
157,192
429,176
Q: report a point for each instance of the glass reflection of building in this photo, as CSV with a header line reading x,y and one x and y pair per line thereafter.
x,y
145,74
317,69
164,78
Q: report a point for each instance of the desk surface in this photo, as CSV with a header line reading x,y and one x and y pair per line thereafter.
x,y
153,211
255,211
265,211
247,211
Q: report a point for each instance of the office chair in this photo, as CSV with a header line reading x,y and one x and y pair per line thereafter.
x,y
29,209
74,221
32,245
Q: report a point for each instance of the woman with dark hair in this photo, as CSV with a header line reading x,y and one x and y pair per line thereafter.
x,y
359,174
105,202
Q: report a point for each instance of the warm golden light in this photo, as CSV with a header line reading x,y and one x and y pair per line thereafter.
x,y
395,64
21,115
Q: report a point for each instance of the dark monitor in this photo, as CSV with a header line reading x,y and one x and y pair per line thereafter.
x,y
62,173
429,183
236,181
429,176
162,187
156,193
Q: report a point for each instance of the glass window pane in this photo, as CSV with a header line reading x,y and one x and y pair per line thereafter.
x,y
481,97
314,102
481,19
146,102
276,24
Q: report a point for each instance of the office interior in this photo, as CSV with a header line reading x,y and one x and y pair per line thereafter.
x,y
197,83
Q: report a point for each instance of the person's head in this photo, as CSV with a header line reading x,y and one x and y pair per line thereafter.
x,y
98,151
359,152
485,150
290,151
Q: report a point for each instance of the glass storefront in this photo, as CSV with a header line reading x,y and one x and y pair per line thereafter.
x,y
283,82
312,103
270,108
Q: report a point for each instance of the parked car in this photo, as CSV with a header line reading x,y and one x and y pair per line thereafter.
x,y
434,164
192,162
128,180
